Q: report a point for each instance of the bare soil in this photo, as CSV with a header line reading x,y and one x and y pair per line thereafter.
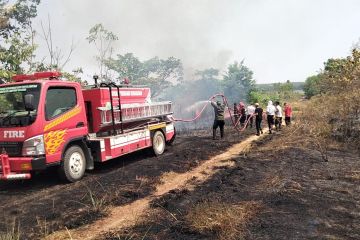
x,y
127,215
300,195
44,204
273,191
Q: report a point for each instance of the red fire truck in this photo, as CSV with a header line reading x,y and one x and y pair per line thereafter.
x,y
45,121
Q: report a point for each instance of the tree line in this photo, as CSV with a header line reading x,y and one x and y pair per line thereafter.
x,y
335,98
338,75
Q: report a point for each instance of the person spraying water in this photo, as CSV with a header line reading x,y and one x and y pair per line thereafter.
x,y
219,110
219,121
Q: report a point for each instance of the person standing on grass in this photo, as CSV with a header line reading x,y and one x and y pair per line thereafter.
x,y
242,113
288,113
219,121
278,116
249,116
270,112
258,119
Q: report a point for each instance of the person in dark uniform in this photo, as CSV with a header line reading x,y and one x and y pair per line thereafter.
x,y
219,121
242,113
258,119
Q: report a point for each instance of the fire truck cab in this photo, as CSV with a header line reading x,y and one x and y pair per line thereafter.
x,y
45,121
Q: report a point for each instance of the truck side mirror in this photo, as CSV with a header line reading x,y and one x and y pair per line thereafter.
x,y
29,102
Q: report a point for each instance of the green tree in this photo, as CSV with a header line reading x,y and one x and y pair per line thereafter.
x,y
126,66
158,74
208,74
284,90
16,17
238,82
276,92
311,87
74,76
16,36
103,40
262,97
13,55
205,84
341,74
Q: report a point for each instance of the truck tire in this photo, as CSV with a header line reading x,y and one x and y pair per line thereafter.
x,y
73,166
158,143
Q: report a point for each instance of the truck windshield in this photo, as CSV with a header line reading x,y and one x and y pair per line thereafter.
x,y
12,107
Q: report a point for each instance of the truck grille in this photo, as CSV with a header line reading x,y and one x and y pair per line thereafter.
x,y
13,149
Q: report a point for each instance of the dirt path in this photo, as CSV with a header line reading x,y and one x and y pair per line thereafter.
x,y
127,215
114,183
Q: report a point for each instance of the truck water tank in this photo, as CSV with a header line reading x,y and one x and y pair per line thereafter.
x,y
98,99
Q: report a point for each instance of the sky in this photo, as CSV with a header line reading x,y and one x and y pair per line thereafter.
x,y
278,40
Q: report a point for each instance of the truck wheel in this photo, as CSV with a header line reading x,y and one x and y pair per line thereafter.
x,y
158,143
73,165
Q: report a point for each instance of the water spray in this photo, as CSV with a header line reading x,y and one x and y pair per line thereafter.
x,y
232,117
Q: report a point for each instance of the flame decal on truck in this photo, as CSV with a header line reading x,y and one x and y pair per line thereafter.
x,y
62,118
53,140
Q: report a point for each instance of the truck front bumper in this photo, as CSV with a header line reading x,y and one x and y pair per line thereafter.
x,y
14,168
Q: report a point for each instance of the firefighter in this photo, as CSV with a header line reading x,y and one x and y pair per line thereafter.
x,y
258,119
219,121
242,113
270,112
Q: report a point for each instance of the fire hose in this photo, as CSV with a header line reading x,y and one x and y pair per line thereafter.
x,y
234,123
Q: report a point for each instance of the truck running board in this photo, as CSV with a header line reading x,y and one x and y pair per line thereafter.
x,y
5,171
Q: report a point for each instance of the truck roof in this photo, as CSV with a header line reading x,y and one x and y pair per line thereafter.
x,y
38,78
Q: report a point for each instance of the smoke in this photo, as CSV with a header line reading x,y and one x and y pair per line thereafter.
x,y
196,106
183,29
280,40
202,120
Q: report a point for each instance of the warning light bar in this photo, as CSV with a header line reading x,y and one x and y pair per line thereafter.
x,y
37,75
50,75
22,77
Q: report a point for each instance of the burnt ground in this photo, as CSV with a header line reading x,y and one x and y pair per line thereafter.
x,y
44,204
300,196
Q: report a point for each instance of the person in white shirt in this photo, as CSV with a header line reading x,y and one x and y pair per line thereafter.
x,y
270,112
249,117
278,116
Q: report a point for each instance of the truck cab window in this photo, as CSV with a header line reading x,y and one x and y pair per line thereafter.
x,y
59,100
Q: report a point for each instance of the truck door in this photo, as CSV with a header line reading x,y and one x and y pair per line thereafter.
x,y
65,119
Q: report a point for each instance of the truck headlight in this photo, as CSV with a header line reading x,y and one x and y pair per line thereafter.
x,y
34,146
